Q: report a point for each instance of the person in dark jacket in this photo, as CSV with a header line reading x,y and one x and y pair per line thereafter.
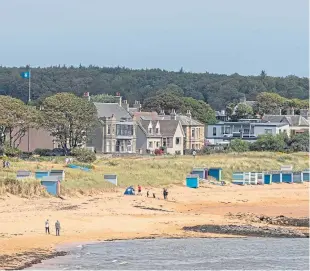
x,y
57,227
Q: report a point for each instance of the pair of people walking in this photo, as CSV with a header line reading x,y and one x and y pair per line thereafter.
x,y
47,227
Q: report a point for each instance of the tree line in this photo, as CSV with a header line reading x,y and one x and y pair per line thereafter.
x,y
217,90
67,117
266,103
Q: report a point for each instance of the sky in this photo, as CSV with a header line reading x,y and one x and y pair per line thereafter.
x,y
217,36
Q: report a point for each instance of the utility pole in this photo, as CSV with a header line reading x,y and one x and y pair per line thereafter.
x,y
29,100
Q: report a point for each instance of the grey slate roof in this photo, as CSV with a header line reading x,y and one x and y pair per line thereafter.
x,y
183,119
167,127
145,126
292,120
107,109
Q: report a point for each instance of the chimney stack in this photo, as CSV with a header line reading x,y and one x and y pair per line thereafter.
x,y
125,105
137,105
162,112
189,114
173,115
118,95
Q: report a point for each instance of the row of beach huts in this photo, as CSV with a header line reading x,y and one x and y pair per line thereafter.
x,y
51,179
285,175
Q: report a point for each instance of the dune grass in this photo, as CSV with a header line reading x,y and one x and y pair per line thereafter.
x,y
149,171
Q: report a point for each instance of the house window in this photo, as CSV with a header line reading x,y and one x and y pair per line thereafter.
x,y
193,146
157,144
214,131
193,132
150,144
150,131
268,131
165,142
168,142
177,140
246,131
157,131
109,129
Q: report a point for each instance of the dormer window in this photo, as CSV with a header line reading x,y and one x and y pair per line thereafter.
x,y
157,128
150,128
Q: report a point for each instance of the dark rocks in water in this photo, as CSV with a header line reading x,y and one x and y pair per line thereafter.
x,y
248,230
24,260
273,220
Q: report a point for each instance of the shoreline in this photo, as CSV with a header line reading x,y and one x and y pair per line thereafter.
x,y
65,249
115,217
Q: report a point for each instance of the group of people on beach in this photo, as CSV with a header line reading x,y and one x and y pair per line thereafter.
x,y
165,192
57,227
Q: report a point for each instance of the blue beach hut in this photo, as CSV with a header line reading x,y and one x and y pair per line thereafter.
x,y
192,181
238,178
51,184
39,174
267,178
287,177
215,173
276,176
201,172
305,175
297,177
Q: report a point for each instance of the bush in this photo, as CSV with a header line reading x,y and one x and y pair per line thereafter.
x,y
239,145
42,152
84,155
269,143
299,142
158,152
11,151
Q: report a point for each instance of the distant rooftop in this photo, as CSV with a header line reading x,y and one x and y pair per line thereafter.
x,y
109,109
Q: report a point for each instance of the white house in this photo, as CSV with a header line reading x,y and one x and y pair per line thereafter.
x,y
248,130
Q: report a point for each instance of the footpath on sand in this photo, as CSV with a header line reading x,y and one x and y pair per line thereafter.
x,y
210,211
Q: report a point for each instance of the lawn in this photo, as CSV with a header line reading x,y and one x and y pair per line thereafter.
x,y
149,171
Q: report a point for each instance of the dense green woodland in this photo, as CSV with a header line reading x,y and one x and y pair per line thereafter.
x,y
215,89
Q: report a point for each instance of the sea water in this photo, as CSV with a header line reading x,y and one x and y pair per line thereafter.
x,y
186,254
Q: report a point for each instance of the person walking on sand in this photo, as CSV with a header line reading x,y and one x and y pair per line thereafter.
x,y
147,193
47,227
165,193
57,226
139,189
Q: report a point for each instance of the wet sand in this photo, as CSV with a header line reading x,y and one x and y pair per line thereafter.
x,y
115,216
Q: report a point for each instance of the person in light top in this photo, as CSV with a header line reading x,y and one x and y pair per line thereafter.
x,y
47,227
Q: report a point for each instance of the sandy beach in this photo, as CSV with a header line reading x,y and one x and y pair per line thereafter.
x,y
115,216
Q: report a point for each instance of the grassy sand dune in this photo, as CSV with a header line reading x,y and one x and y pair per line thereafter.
x,y
146,171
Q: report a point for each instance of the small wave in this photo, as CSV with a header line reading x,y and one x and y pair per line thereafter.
x,y
114,261
79,246
123,263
